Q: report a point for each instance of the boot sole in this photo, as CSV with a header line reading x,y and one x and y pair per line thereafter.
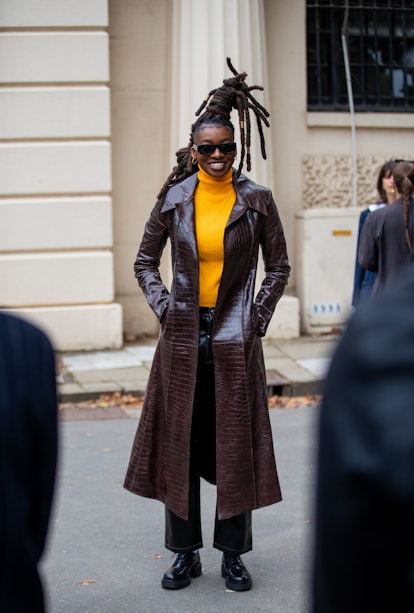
x,y
178,584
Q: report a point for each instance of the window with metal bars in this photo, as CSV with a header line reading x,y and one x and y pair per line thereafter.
x,y
380,41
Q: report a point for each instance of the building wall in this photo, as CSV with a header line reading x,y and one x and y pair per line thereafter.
x,y
140,83
56,260
308,144
87,137
313,169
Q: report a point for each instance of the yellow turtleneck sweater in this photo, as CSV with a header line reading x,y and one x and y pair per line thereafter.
x,y
214,200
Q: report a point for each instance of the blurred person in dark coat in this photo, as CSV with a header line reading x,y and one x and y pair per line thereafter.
x,y
364,546
28,451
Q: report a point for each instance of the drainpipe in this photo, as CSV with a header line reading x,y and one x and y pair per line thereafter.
x,y
351,105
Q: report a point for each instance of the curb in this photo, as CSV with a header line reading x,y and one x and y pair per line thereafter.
x,y
285,388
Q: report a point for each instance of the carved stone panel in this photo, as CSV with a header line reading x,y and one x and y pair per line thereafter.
x,y
328,180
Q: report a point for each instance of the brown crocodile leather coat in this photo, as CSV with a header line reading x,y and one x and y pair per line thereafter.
x,y
159,465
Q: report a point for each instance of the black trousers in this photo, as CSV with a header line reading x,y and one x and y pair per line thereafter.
x,y
233,535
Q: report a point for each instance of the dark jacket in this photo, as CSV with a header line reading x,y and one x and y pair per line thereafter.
x,y
383,247
159,464
363,279
28,450
364,546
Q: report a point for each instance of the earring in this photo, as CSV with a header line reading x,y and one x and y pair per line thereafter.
x,y
194,161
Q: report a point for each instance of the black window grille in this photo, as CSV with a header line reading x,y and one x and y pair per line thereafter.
x,y
380,41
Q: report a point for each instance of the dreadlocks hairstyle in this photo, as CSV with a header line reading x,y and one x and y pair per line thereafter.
x,y
218,105
404,182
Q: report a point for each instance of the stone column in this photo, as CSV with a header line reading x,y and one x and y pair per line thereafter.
x,y
204,34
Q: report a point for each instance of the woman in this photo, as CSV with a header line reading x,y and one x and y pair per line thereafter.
x,y
387,235
364,279
208,368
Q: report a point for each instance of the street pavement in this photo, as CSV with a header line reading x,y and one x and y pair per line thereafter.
x,y
105,550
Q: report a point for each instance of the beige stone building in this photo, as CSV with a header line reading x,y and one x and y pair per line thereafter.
x,y
95,98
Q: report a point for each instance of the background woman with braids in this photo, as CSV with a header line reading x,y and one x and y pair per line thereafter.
x,y
205,412
386,244
364,279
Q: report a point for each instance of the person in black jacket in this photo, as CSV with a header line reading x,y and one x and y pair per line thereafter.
x,y
364,544
364,279
386,244
28,452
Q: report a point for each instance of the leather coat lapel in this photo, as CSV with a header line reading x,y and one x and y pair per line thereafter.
x,y
185,211
182,199
244,199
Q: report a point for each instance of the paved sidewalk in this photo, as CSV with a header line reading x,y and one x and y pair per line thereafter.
x,y
105,551
294,367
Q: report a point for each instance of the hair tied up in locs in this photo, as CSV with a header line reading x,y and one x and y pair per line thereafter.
x,y
218,104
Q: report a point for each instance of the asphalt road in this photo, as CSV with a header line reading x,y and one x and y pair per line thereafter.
x,y
105,549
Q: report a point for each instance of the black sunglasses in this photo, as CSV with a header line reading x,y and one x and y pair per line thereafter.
x,y
210,149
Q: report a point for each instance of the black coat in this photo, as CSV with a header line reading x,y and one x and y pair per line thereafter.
x,y
383,247
159,465
28,447
364,549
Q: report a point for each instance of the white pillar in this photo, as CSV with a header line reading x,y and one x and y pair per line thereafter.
x,y
204,34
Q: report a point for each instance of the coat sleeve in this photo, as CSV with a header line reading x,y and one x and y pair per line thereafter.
x,y
42,385
359,273
368,245
28,415
148,259
276,266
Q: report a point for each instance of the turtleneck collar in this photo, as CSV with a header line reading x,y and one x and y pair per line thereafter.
x,y
210,181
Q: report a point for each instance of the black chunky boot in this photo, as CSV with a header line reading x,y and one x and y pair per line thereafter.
x,y
187,565
235,573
